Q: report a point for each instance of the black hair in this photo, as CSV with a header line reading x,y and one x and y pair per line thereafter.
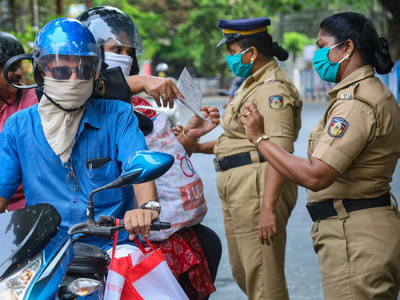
x,y
262,41
373,50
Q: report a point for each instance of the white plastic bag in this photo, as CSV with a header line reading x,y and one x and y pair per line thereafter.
x,y
180,190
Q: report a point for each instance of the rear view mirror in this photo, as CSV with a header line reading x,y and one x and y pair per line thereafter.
x,y
143,166
10,64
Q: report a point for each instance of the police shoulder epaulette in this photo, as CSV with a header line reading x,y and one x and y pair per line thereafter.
x,y
270,76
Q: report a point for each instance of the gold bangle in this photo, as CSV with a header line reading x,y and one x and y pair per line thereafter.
x,y
194,142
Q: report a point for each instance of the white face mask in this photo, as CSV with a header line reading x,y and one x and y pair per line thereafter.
x,y
117,60
69,94
60,127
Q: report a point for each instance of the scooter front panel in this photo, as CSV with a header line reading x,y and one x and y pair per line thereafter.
x,y
57,256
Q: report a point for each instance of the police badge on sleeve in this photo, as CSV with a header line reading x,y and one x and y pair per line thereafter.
x,y
275,102
338,127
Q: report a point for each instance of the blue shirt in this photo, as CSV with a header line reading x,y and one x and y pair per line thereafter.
x,y
107,129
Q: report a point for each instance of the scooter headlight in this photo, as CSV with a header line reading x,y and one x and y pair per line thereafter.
x,y
14,287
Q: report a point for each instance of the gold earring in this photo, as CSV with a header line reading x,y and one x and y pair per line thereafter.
x,y
348,57
252,59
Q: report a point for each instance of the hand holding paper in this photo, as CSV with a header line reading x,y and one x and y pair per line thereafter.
x,y
192,93
196,127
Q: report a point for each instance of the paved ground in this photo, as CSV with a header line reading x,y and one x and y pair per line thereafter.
x,y
302,271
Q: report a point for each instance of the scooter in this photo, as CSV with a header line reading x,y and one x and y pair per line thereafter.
x,y
39,260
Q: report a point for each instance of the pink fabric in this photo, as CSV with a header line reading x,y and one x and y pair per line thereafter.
x,y
18,200
28,99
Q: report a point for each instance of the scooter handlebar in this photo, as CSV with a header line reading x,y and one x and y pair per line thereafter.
x,y
106,226
155,225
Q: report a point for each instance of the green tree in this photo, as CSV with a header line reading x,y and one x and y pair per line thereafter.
x,y
185,32
295,42
193,32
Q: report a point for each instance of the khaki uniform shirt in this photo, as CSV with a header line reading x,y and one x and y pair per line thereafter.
x,y
359,136
277,99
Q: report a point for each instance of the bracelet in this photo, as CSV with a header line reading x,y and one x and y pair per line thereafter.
x,y
189,140
261,138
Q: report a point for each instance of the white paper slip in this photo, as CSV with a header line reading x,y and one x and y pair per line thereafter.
x,y
192,93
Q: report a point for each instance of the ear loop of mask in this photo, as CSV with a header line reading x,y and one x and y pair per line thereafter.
x,y
346,57
245,51
252,59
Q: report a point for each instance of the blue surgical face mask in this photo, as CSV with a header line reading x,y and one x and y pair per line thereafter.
x,y
238,68
326,70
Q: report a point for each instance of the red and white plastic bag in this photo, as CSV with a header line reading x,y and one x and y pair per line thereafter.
x,y
142,275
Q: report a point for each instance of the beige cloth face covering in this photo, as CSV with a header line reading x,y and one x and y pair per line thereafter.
x,y
60,127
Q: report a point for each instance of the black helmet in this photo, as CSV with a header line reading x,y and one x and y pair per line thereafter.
x,y
112,26
9,47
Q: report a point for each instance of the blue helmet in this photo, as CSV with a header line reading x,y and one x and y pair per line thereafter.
x,y
65,37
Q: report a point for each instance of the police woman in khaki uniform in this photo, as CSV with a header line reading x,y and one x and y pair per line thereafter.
x,y
353,153
242,171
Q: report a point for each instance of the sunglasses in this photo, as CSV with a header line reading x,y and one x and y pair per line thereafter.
x,y
14,67
84,72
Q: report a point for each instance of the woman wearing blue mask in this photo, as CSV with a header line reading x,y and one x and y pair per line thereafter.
x,y
352,155
246,186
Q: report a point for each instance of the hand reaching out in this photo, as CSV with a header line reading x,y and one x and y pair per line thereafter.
x,y
177,130
197,127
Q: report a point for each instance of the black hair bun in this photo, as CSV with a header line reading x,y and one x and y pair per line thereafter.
x,y
382,61
279,52
383,43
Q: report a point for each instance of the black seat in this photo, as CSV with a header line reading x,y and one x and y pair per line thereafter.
x,y
89,259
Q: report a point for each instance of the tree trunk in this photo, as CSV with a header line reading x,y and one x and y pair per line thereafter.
x,y
393,26
13,11
89,3
58,7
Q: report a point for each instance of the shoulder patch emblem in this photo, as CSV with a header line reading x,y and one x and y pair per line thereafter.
x,y
338,127
275,102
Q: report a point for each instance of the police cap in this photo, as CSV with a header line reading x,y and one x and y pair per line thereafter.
x,y
237,29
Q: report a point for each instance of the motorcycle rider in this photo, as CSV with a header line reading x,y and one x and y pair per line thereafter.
x,y
48,146
12,99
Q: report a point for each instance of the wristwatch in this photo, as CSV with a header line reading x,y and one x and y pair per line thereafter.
x,y
152,205
263,137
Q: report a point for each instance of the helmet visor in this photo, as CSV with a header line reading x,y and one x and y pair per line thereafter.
x,y
79,59
116,30
70,67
